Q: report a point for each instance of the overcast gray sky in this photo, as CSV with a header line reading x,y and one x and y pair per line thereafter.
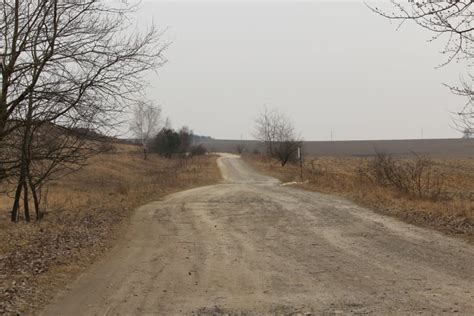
x,y
331,66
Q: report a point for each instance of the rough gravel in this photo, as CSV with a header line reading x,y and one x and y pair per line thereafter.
x,y
250,246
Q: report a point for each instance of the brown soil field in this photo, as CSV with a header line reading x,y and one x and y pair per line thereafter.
x,y
86,212
440,148
452,214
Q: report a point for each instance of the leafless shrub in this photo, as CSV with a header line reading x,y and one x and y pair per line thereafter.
x,y
415,177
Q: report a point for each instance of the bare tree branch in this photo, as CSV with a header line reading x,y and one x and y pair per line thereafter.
x,y
452,21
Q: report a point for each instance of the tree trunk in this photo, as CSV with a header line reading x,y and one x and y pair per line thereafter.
x,y
36,199
3,116
26,205
36,203
16,203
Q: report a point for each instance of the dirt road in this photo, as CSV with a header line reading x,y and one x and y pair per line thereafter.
x,y
250,246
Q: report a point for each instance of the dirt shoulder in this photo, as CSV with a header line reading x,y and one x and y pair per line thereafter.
x,y
88,213
453,215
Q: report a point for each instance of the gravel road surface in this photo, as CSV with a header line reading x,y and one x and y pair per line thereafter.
x,y
250,246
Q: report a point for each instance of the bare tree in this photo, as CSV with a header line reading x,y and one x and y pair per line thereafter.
x,y
68,69
145,123
451,21
279,135
265,131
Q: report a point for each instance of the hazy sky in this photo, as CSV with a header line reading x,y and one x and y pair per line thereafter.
x,y
331,66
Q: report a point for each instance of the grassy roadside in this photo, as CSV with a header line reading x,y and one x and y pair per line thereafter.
x,y
453,214
87,212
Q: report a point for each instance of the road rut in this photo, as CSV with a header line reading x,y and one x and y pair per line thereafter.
x,y
249,246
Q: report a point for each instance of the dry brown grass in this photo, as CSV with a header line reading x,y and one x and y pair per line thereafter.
x,y
454,213
86,212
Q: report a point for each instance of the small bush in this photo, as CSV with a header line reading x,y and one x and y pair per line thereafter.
x,y
415,177
168,142
198,150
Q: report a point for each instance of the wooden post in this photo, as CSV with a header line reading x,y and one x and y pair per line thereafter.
x,y
300,157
